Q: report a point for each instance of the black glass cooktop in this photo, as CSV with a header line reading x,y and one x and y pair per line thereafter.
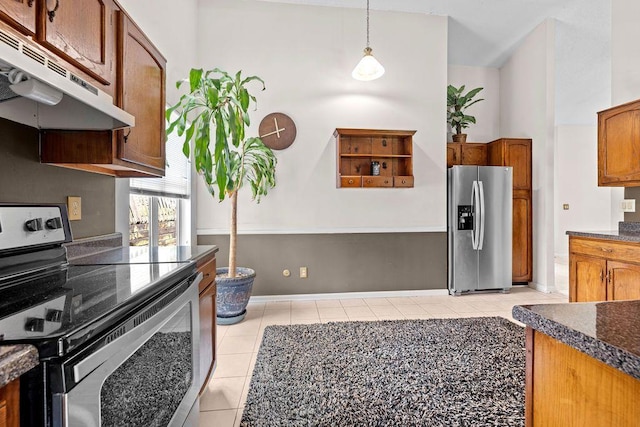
x,y
63,308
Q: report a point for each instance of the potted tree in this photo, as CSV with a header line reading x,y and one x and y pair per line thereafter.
x,y
457,103
213,117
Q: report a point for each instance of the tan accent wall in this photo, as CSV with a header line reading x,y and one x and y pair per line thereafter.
x,y
340,262
23,179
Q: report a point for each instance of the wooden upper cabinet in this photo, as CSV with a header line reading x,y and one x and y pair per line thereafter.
x,y
619,146
20,14
81,32
141,91
468,153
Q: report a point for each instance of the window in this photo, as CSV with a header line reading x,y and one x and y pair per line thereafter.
x,y
158,206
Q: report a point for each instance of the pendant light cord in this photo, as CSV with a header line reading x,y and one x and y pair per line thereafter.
x,y
367,23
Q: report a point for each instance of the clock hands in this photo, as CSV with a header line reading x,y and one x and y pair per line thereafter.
x,y
277,131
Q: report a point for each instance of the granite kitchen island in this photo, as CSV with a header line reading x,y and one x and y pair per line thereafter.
x,y
583,363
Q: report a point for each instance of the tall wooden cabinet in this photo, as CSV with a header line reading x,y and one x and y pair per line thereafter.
x,y
10,404
602,270
619,145
517,153
140,90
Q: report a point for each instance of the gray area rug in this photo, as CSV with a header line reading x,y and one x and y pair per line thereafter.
x,y
435,372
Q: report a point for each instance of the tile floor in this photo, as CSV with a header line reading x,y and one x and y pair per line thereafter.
x,y
222,403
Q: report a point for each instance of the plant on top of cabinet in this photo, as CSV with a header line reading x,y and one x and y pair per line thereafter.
x,y
457,104
215,111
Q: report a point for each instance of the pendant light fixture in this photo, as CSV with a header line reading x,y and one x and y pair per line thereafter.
x,y
368,68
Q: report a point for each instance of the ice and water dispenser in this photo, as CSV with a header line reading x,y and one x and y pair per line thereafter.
x,y
465,217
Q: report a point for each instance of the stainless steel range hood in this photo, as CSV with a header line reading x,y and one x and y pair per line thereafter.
x,y
83,106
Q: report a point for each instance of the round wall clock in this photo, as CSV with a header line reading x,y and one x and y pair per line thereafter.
x,y
277,131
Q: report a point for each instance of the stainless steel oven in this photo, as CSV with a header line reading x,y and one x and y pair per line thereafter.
x,y
118,344
143,372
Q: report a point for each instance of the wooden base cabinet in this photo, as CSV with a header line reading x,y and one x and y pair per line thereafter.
x,y
516,153
207,288
565,387
601,270
10,404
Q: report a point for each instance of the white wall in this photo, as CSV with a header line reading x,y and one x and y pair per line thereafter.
x,y
527,98
306,54
576,179
625,56
487,112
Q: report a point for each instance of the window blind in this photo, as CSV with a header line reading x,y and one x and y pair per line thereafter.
x,y
175,183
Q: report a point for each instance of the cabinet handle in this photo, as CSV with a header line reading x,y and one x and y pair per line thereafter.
x,y
386,181
384,142
350,181
601,275
384,165
607,250
30,3
52,13
404,181
207,274
126,137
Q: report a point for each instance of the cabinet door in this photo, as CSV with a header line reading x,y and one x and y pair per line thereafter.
x,y
618,145
20,14
522,246
517,153
81,32
587,278
10,404
453,154
624,281
141,92
473,154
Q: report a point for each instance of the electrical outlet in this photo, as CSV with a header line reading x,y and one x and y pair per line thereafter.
x,y
74,206
303,272
628,205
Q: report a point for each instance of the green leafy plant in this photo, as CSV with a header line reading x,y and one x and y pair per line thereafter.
x,y
457,103
215,114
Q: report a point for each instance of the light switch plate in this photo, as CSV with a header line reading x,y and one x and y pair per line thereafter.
x,y
74,206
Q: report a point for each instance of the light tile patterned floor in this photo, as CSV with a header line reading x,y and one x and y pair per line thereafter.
x,y
222,403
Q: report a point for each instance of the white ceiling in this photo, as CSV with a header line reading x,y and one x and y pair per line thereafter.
x,y
483,33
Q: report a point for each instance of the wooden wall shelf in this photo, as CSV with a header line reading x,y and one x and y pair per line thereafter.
x,y
357,149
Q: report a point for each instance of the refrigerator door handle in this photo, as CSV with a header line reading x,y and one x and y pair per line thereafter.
x,y
475,203
482,216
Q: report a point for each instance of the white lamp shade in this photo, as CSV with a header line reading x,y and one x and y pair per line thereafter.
x,y
368,68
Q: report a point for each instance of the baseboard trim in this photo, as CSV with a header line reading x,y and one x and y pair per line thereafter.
x,y
542,288
349,295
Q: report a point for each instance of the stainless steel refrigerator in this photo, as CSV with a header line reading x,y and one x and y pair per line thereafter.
x,y
479,228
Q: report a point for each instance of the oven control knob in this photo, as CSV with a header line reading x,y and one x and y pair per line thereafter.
x,y
53,223
54,315
34,324
34,224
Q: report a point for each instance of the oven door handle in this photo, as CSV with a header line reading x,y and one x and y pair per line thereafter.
x,y
138,334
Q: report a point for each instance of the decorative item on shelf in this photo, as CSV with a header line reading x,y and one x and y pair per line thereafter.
x,y
277,131
218,103
457,104
368,68
375,168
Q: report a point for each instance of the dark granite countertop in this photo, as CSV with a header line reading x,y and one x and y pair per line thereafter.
x,y
146,254
607,331
15,360
626,232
